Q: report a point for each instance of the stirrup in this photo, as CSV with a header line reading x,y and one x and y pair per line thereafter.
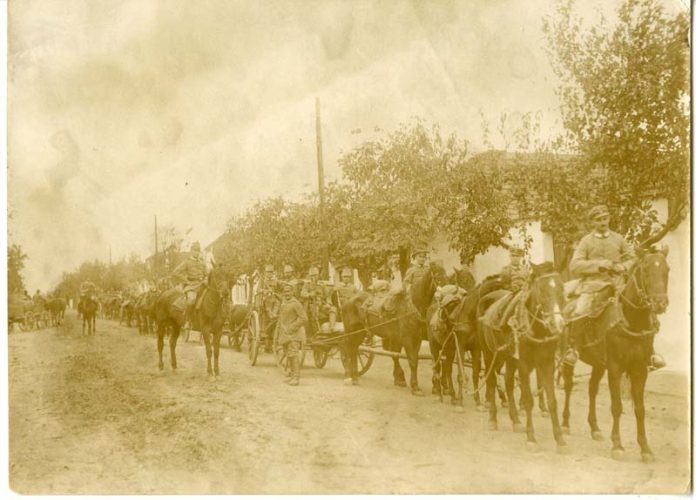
x,y
570,357
656,362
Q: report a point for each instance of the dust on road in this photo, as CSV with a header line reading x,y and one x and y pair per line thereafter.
x,y
95,416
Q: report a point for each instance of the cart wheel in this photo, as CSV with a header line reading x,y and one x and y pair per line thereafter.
x,y
365,359
321,355
254,330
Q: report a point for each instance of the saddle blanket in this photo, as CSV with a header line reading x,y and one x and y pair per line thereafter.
x,y
381,304
591,300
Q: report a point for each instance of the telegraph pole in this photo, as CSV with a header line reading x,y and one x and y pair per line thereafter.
x,y
320,171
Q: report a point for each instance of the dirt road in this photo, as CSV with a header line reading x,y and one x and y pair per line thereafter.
x,y
94,415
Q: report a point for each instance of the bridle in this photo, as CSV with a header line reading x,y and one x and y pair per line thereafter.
x,y
538,315
637,279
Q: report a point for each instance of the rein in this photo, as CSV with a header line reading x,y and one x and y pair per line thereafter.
x,y
643,303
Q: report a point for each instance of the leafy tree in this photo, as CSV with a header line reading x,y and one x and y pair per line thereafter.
x,y
624,100
15,265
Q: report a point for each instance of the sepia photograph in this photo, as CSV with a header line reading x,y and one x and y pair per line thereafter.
x,y
348,247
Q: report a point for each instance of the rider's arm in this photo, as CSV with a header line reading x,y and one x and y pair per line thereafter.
x,y
300,319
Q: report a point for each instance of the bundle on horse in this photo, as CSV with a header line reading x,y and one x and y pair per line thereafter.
x,y
212,312
401,325
527,342
620,341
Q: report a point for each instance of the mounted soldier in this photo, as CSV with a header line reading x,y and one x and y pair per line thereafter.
x,y
346,288
317,297
417,270
190,276
601,261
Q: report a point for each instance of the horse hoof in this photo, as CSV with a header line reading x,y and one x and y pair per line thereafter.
x,y
400,383
563,449
517,427
532,447
417,392
597,436
565,429
492,426
617,454
648,457
355,382
347,381
481,408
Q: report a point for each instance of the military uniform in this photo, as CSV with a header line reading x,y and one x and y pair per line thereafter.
x,y
291,334
317,297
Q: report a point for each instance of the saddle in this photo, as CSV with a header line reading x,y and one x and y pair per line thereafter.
x,y
588,299
382,304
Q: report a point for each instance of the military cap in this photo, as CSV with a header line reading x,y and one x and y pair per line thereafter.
x,y
347,272
196,246
288,268
598,211
269,268
313,271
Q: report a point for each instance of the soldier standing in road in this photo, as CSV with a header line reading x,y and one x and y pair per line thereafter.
x,y
291,331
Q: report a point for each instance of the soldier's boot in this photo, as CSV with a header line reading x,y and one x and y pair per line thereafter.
x,y
295,368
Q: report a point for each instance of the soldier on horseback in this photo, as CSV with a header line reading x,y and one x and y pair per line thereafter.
x,y
601,261
417,270
190,275
346,289
317,298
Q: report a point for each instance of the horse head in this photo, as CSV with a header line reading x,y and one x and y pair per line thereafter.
x,y
219,280
545,298
648,281
423,290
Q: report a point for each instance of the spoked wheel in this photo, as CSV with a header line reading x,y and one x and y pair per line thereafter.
x,y
254,331
365,359
321,355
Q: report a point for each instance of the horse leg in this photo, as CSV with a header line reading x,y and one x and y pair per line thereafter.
x,y
568,372
435,350
597,374
545,378
448,386
491,386
412,346
476,374
206,334
397,372
160,344
510,392
216,350
540,391
527,402
501,391
614,372
172,343
639,376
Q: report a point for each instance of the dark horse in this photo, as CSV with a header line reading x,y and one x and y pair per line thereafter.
x,y
404,329
212,313
461,336
87,308
145,311
626,347
539,326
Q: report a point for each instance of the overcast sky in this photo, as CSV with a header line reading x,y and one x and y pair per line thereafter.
x,y
192,110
